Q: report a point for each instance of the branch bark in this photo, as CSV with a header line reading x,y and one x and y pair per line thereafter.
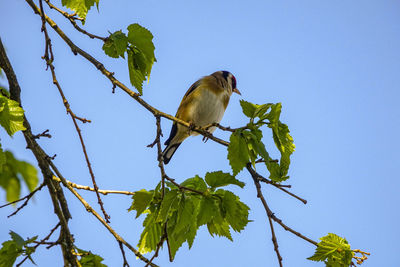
x,y
55,191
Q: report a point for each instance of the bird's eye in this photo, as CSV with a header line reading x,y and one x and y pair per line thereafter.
x,y
233,82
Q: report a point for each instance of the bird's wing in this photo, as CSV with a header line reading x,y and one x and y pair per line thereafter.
x,y
191,89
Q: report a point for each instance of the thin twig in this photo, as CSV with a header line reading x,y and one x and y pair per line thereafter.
x,y
97,216
159,244
88,188
42,242
115,82
271,214
49,58
223,128
55,191
280,187
43,134
121,247
27,197
72,18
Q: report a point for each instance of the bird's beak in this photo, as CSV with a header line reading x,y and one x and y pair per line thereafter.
x,y
236,91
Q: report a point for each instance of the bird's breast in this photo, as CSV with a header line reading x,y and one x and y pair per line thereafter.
x,y
209,107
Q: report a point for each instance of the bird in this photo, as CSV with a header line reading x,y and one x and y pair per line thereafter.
x,y
203,104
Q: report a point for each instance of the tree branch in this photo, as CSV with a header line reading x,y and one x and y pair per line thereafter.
x,y
49,58
88,188
72,18
41,242
27,197
110,75
97,216
269,212
56,193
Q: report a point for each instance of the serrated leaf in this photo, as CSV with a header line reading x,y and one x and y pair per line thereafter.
x,y
17,238
88,259
168,204
275,171
196,183
248,108
140,55
136,76
261,110
13,248
236,212
142,39
219,228
9,253
207,210
186,214
175,241
333,250
116,44
81,7
275,113
219,178
11,115
191,234
238,153
151,234
141,199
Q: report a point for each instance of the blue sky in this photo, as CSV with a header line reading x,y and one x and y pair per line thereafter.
x,y
334,65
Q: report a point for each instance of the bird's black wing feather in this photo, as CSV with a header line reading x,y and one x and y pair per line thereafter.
x,y
191,89
174,130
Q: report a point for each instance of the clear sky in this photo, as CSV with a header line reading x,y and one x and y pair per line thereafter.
x,y
334,65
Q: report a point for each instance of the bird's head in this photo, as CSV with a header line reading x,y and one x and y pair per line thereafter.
x,y
230,80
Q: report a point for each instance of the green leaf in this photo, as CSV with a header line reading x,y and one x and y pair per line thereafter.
x,y
207,210
11,115
238,153
2,159
141,199
237,212
248,108
220,228
275,171
275,113
81,7
151,234
284,142
175,241
9,252
333,250
253,110
261,110
15,247
140,55
168,205
116,44
28,173
88,259
185,215
196,183
142,39
219,178
17,238
13,172
135,61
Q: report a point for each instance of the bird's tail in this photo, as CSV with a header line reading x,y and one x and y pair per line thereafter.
x,y
169,151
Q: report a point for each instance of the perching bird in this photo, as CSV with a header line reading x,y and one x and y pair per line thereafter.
x,y
203,104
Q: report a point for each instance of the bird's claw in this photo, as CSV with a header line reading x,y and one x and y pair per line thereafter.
x,y
191,128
